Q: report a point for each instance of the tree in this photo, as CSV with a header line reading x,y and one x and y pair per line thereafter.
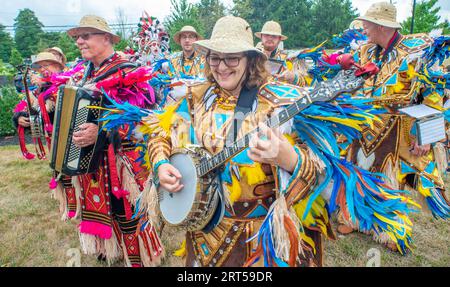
x,y
47,40
6,44
28,31
209,11
426,18
68,46
183,13
16,59
330,17
123,30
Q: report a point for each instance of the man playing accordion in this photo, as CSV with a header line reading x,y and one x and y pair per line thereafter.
x,y
104,198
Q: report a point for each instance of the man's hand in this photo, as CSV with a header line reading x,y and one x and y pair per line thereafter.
x,y
86,136
418,150
24,121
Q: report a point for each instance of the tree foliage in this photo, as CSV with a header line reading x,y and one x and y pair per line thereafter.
x,y
28,32
426,18
6,46
209,11
305,22
182,14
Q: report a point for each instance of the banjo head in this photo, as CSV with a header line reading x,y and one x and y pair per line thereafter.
x,y
176,207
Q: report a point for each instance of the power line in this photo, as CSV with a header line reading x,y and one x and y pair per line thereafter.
x,y
69,26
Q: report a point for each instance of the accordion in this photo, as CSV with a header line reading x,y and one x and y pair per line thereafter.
x,y
72,110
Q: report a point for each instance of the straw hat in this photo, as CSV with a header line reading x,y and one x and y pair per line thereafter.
x,y
186,29
230,35
59,51
271,28
356,25
47,56
383,14
94,22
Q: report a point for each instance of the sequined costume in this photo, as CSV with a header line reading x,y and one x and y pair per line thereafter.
x,y
181,66
386,147
104,200
291,62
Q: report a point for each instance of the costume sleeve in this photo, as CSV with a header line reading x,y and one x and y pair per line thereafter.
x,y
297,186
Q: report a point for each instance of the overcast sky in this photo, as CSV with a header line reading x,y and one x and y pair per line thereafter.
x,y
69,12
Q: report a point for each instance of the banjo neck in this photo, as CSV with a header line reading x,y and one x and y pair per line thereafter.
x,y
345,81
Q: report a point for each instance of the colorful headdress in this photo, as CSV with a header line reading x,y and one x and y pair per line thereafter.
x,y
151,38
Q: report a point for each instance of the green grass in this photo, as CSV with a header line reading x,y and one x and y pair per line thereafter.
x,y
32,234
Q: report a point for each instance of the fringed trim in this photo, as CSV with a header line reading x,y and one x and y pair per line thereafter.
x,y
113,250
148,201
150,247
126,259
60,195
90,244
391,171
440,157
128,180
318,163
279,238
382,238
77,186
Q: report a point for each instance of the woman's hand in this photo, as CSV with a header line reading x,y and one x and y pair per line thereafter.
x,y
275,150
86,136
169,178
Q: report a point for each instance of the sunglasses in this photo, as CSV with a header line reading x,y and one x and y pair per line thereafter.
x,y
230,62
85,36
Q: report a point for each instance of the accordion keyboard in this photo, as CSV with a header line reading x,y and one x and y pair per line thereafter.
x,y
74,153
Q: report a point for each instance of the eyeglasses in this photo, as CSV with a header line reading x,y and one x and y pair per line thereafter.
x,y
184,37
37,66
85,36
230,62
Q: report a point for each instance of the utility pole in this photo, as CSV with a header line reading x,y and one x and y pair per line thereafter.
x,y
412,19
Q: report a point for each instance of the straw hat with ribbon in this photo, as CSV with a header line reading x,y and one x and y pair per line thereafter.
x,y
59,51
271,28
46,56
93,22
383,14
186,29
230,35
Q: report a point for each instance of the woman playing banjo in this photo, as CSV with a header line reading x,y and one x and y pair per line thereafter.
x,y
253,178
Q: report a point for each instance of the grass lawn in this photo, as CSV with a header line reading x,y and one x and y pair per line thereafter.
x,y
32,234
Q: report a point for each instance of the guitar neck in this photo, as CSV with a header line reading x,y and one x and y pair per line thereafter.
x,y
345,81
240,145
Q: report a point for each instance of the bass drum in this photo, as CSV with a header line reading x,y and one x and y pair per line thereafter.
x,y
199,204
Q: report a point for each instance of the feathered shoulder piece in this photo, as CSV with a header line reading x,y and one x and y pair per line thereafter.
x,y
131,86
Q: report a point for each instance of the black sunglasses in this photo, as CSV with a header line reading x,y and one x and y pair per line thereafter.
x,y
85,36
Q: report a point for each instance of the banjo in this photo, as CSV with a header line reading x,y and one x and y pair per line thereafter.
x,y
200,204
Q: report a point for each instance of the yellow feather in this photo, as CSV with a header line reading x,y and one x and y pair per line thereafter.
x,y
308,240
290,139
397,88
167,118
254,174
308,80
289,65
181,252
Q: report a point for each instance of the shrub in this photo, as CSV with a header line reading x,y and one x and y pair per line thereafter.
x,y
8,100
